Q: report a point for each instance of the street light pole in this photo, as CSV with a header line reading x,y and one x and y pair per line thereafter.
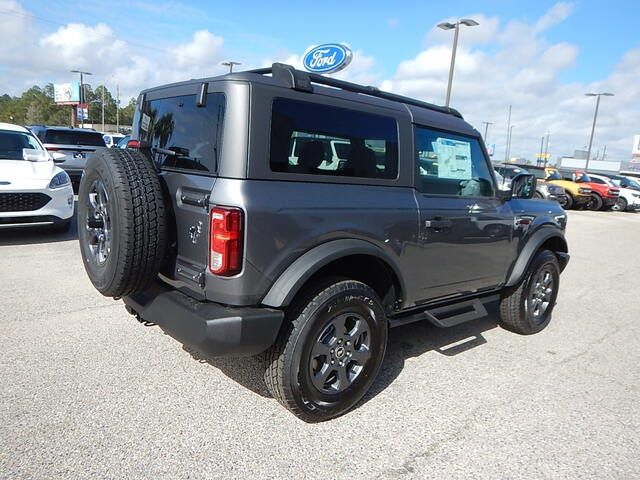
x,y
103,109
546,150
506,150
509,141
117,108
593,126
82,99
486,130
454,26
230,64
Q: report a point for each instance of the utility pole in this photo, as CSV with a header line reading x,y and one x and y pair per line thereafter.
x,y
102,108
546,150
506,150
541,149
117,108
593,127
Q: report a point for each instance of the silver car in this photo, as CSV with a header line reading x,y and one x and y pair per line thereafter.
x,y
75,144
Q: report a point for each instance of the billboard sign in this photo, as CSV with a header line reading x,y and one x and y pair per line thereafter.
x,y
82,112
66,93
327,58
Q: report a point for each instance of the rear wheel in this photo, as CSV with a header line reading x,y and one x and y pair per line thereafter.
x,y
620,205
595,202
527,308
328,355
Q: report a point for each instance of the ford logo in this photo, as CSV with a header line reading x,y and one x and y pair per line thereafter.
x,y
327,58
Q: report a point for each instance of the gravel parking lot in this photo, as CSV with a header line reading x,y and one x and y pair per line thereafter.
x,y
88,392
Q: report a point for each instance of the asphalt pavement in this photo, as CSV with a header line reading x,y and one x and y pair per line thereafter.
x,y
88,392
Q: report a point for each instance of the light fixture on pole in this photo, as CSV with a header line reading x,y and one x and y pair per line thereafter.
x,y
454,26
595,117
82,99
230,64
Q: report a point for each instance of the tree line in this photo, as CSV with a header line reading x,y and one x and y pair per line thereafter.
x,y
36,106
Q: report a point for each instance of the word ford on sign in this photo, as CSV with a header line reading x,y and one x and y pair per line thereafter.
x,y
327,58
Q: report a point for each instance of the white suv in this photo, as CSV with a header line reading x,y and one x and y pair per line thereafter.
x,y
628,199
33,190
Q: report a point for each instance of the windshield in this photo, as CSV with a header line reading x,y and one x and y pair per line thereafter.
x,y
12,143
630,183
553,175
582,178
74,137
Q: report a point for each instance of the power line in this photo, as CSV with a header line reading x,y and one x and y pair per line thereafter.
x,y
60,24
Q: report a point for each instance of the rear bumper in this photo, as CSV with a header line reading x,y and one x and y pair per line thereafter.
x,y
210,328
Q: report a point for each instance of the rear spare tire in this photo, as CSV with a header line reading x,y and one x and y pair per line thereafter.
x,y
121,222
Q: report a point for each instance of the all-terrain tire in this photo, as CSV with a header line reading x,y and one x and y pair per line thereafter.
x,y
595,203
135,213
516,305
620,205
288,362
569,204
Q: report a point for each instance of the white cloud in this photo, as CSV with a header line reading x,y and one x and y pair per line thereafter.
x,y
521,68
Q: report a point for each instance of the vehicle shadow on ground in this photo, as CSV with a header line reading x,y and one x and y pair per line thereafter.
x,y
404,342
37,235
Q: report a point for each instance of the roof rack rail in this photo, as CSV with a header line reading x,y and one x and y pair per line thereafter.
x,y
299,80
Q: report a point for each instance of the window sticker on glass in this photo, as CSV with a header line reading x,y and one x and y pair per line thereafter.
x,y
144,125
454,159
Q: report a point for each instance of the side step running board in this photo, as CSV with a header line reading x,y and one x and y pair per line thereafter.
x,y
448,315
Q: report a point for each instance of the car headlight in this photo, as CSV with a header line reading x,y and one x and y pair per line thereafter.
x,y
59,180
636,195
584,190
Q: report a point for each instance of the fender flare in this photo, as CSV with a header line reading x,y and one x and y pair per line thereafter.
x,y
530,248
295,276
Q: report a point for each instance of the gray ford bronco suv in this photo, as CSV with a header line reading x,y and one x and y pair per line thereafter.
x,y
286,213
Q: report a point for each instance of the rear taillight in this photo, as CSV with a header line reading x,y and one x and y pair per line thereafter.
x,y
225,241
133,144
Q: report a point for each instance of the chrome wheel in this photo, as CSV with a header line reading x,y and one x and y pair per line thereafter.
x,y
340,353
541,293
98,223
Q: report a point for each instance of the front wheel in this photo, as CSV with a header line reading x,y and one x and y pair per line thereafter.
x,y
526,309
330,351
620,205
595,202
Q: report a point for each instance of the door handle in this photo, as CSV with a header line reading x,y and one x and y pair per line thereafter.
x,y
438,224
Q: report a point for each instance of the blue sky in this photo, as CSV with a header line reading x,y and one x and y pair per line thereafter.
x,y
540,57
387,30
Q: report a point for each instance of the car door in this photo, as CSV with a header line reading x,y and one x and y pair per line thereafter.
x,y
465,230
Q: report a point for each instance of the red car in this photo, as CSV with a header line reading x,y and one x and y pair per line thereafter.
x,y
603,197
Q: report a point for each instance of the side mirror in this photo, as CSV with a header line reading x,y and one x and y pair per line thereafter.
x,y
58,157
523,186
33,155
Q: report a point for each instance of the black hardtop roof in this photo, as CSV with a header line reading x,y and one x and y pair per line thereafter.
x,y
286,76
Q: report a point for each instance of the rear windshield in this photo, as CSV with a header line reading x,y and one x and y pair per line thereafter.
x,y
74,137
181,134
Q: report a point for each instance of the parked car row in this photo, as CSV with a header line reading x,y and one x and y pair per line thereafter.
x,y
576,189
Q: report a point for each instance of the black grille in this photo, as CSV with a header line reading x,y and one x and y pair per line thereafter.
x,y
22,202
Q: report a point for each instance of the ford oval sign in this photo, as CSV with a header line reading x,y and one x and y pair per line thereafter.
x,y
327,58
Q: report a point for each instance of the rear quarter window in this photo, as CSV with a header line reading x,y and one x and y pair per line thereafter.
x,y
315,139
